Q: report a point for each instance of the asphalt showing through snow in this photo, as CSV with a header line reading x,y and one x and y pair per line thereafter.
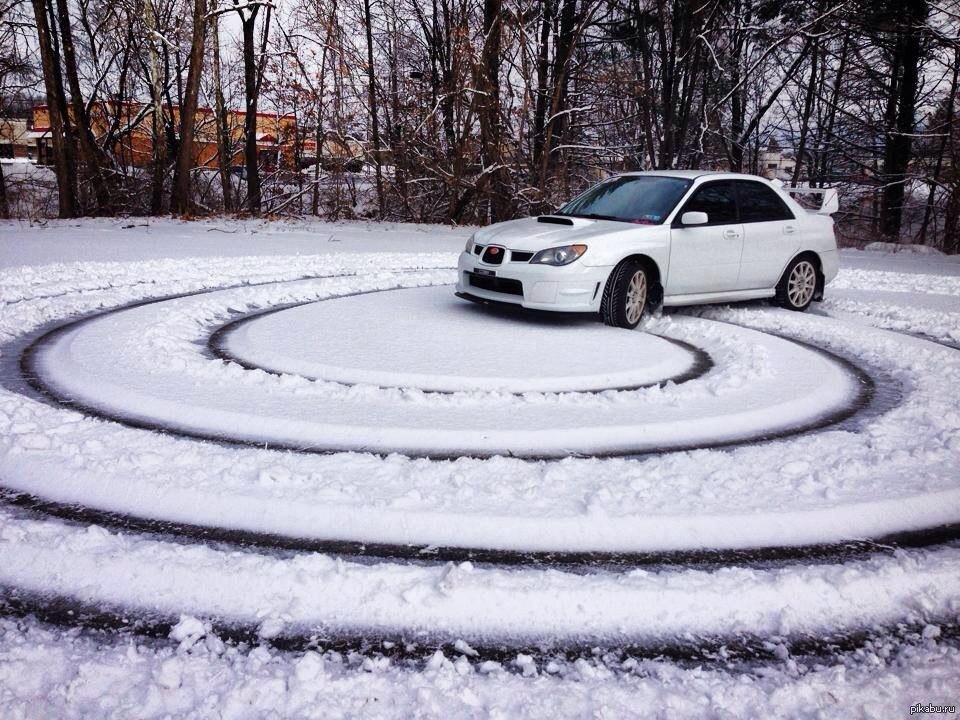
x,y
217,347
868,401
69,611
30,372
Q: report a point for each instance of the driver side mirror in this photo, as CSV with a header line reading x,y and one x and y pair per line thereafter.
x,y
694,218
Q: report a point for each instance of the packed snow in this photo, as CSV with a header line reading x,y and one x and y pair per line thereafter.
x,y
141,364
49,673
332,367
426,339
821,487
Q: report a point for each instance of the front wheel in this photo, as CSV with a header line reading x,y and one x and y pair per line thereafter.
x,y
798,285
625,295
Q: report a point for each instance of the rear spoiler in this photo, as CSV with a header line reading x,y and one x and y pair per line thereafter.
x,y
829,203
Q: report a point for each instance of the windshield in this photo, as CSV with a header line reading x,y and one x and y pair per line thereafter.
x,y
640,199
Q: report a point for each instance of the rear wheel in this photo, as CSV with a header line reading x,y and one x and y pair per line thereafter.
x,y
625,295
798,285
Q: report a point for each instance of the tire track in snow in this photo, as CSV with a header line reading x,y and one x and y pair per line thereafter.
x,y
431,554
865,393
577,562
73,612
586,561
908,333
746,650
217,348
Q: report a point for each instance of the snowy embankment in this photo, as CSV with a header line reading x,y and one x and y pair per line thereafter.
x,y
833,429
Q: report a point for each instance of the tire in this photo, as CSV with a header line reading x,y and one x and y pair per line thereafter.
x,y
626,294
797,287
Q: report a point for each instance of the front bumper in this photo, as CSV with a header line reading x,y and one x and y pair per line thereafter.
x,y
569,288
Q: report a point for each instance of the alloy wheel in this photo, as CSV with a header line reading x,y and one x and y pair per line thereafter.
x,y
636,296
802,283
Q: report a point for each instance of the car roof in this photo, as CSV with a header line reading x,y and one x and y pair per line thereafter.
x,y
695,174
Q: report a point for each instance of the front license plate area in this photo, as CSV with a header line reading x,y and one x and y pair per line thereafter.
x,y
487,273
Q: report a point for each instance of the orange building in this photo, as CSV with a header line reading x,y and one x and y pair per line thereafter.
x,y
14,140
132,123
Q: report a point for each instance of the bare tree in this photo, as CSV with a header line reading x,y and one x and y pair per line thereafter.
x,y
224,149
906,20
156,97
60,128
481,110
254,59
180,200
374,119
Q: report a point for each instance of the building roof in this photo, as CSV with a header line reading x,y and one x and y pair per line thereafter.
x,y
200,109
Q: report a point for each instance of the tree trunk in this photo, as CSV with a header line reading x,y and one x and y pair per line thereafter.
x,y
224,153
395,127
315,202
490,127
738,99
91,156
566,41
951,224
320,135
941,153
156,93
4,203
679,59
899,136
827,135
807,114
543,67
59,129
372,96
180,201
251,92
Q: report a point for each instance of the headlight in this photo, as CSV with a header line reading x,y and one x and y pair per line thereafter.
x,y
563,255
469,248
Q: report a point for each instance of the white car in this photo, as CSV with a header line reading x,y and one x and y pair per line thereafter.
x,y
641,239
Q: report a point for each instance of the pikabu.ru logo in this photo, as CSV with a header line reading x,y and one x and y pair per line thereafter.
x,y
921,709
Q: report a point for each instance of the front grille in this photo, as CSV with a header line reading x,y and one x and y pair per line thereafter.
x,y
495,284
518,256
477,249
493,255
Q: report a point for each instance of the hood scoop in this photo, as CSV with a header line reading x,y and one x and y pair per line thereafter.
x,y
555,220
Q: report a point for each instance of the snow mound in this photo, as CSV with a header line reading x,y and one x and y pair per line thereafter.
x,y
907,248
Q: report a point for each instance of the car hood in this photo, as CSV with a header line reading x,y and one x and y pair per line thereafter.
x,y
530,235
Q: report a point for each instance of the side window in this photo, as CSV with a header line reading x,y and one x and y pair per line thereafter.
x,y
758,203
717,201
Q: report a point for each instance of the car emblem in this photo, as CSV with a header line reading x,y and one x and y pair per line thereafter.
x,y
494,251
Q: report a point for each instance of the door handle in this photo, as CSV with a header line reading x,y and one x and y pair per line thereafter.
x,y
789,229
731,233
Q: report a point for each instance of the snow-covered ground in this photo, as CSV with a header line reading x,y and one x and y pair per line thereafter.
x,y
65,241
293,433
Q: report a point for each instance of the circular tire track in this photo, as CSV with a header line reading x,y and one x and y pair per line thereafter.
x,y
867,401
217,347
581,561
72,612
752,649
28,369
